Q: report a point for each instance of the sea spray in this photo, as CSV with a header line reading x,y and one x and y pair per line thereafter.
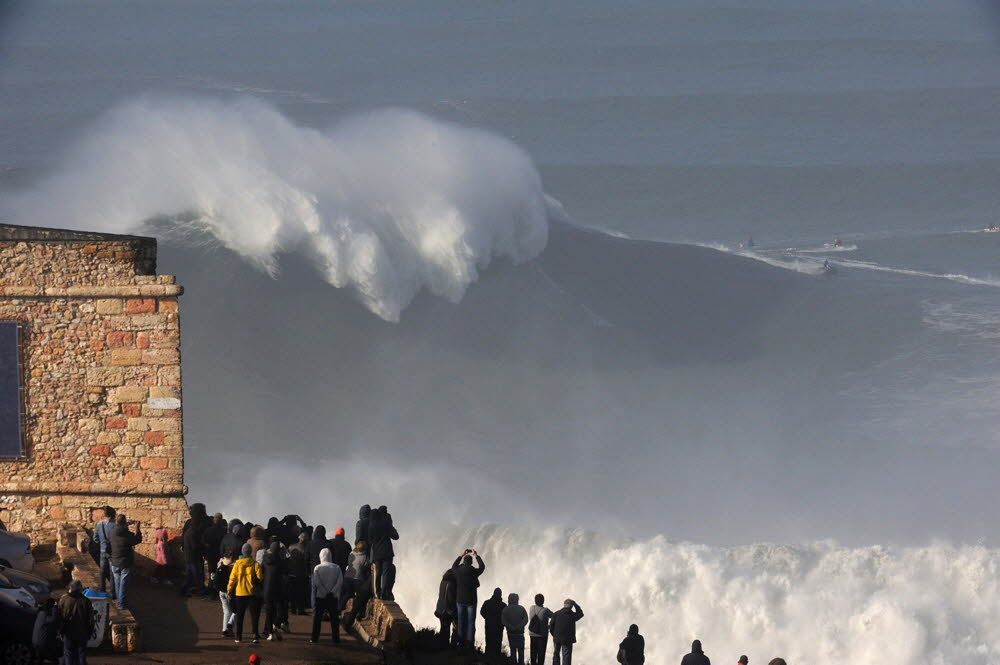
x,y
385,203
812,603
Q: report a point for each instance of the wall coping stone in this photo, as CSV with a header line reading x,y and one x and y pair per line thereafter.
x,y
114,291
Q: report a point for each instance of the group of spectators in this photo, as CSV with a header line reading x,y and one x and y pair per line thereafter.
x,y
456,610
286,567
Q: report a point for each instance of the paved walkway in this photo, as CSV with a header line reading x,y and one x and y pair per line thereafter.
x,y
189,632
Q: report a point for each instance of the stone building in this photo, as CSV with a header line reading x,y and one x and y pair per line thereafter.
x,y
90,382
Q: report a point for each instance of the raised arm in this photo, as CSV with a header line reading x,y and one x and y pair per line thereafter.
x,y
482,566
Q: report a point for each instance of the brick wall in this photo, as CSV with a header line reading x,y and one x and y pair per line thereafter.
x,y
102,380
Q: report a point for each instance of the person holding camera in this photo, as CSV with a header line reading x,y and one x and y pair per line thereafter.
x,y
466,597
123,544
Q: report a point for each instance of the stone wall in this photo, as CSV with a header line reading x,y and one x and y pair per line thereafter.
x,y
102,383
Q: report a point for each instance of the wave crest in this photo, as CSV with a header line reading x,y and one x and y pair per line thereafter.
x,y
385,203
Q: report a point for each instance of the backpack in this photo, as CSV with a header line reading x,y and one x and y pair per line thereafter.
x,y
535,625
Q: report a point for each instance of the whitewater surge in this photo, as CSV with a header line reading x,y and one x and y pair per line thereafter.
x,y
812,604
385,203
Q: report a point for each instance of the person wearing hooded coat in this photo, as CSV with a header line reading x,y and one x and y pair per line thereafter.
x,y
327,581
492,613
697,656
357,583
244,582
257,541
361,529
382,533
317,545
632,650
515,619
563,630
193,543
76,624
446,609
466,584
275,574
232,539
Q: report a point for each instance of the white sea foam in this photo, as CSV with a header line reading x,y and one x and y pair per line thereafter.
x,y
385,203
953,277
805,265
825,249
812,604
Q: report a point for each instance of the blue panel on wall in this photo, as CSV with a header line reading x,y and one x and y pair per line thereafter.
x,y
10,391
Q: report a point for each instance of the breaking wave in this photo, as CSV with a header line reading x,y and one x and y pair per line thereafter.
x,y
810,603
386,203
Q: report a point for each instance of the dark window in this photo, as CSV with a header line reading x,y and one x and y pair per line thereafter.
x,y
10,390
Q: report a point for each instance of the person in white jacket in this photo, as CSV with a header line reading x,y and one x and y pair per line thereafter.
x,y
515,618
327,580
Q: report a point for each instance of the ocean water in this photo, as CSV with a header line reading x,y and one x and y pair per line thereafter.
x,y
480,262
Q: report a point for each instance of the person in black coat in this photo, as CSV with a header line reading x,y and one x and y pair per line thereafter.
x,y
466,583
382,533
316,545
213,543
274,590
123,544
632,650
492,613
697,656
563,629
361,529
340,549
193,543
447,607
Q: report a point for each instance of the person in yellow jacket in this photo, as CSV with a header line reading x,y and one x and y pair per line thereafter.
x,y
243,589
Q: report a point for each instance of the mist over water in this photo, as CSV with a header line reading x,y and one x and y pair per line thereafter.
x,y
391,307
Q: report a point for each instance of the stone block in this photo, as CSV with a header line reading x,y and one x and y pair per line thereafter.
x,y
127,394
105,376
154,463
153,438
161,356
165,391
126,356
120,339
108,306
109,438
140,305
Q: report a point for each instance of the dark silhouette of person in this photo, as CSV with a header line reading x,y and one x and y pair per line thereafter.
x,y
466,594
563,629
697,656
361,529
382,533
447,607
492,613
633,647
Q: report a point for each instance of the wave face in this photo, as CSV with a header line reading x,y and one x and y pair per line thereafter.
x,y
385,203
636,388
